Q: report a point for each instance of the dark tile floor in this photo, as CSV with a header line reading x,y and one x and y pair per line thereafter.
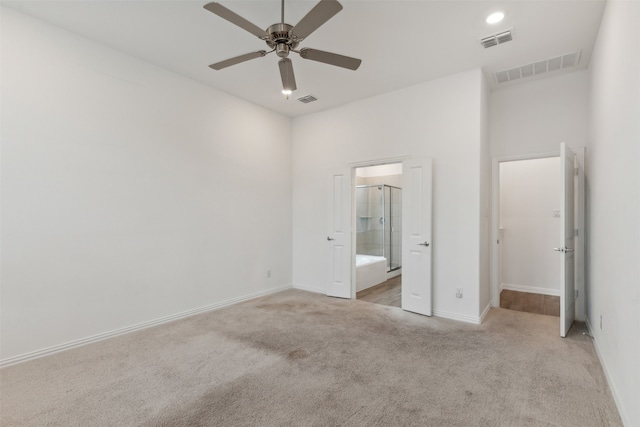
x,y
386,293
531,303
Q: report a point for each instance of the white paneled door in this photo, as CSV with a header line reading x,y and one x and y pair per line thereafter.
x,y
567,236
416,235
338,238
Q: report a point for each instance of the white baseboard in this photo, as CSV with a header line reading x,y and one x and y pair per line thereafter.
x,y
476,320
310,288
485,312
100,337
607,375
530,289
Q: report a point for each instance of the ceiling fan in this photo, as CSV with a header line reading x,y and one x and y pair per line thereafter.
x,y
283,38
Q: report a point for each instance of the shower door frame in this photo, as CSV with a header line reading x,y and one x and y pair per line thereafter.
x,y
391,269
384,228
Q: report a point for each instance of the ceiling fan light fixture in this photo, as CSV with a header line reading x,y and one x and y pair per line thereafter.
x,y
495,17
282,50
287,93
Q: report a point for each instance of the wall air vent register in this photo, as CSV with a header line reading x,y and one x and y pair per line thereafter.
x,y
307,99
497,38
568,60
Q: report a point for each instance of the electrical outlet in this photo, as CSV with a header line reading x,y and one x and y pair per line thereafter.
x,y
458,292
268,273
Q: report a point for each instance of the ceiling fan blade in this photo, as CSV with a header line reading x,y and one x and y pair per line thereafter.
x,y
330,58
321,13
286,72
238,59
236,19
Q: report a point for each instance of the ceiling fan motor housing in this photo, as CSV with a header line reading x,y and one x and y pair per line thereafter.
x,y
280,40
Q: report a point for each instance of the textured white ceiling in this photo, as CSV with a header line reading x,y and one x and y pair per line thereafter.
x,y
400,42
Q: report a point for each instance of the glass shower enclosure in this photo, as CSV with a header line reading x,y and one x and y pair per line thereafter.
x,y
379,223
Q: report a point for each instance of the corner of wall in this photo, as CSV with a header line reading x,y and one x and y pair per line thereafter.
x,y
484,296
613,197
607,373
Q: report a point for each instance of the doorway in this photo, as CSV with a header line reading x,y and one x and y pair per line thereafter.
x,y
378,234
569,246
529,225
416,242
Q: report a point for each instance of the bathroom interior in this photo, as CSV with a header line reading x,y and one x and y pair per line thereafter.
x,y
379,234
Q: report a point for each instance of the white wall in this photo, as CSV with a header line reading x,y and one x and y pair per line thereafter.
x,y
613,185
380,170
536,117
440,119
128,193
529,195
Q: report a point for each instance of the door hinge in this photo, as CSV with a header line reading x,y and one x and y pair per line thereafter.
x,y
576,296
575,171
576,232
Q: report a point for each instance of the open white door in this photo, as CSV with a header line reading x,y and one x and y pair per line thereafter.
x,y
567,277
416,235
339,234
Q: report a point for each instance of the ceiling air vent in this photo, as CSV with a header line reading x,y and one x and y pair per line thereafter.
x,y
307,99
556,63
496,39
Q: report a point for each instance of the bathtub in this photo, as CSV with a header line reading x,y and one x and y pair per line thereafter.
x,y
370,270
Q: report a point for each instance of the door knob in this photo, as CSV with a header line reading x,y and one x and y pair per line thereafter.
x,y
329,238
424,244
564,250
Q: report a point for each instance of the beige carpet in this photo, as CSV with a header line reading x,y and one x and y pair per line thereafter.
x,y
303,359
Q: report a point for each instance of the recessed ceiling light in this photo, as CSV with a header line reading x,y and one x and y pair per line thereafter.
x,y
494,18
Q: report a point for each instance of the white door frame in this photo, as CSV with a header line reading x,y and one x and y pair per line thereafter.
x,y
353,166
568,238
495,225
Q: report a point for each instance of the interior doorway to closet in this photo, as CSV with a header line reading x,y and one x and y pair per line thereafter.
x,y
378,237
529,225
